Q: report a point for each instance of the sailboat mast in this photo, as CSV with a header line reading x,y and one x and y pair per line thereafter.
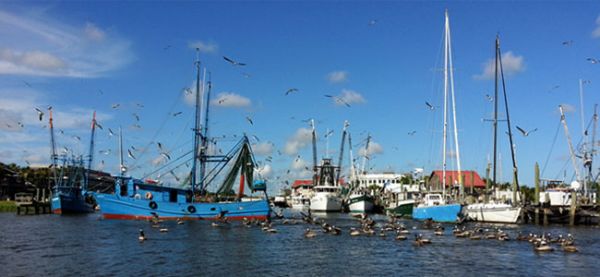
x,y
445,130
510,137
591,160
314,150
457,149
197,130
495,122
91,156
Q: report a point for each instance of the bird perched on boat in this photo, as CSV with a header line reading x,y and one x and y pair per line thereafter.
x,y
142,236
525,133
310,233
40,113
233,62
291,91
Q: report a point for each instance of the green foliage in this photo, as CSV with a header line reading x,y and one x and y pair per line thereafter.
x,y
8,206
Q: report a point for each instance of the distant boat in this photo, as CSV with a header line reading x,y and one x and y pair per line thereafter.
x,y
69,193
327,193
497,211
142,199
435,206
360,201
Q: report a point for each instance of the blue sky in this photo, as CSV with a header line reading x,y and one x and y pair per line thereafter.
x,y
384,58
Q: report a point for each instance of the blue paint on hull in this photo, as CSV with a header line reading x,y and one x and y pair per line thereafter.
x,y
70,202
123,207
440,213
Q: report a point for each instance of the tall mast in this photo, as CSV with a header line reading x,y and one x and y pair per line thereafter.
x,y
571,151
122,168
495,122
314,150
365,157
53,145
510,137
591,155
196,130
204,147
445,132
584,134
457,149
352,168
91,156
327,142
346,124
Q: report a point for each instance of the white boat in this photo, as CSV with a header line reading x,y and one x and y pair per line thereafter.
x,y
360,201
492,212
327,199
300,202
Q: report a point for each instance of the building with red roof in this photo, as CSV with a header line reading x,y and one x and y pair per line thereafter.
x,y
470,178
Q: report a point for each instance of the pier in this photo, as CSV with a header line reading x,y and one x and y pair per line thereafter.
x,y
26,202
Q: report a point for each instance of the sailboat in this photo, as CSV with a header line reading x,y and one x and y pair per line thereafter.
x,y
497,211
69,193
140,199
436,206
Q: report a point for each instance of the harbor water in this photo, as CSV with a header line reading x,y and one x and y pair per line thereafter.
x,y
85,245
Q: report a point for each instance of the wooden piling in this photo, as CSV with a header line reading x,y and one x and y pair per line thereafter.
x,y
546,211
573,209
536,194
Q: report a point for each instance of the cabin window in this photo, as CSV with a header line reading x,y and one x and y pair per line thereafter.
x,y
123,189
172,195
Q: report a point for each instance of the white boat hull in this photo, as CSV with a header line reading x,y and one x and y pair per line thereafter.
x,y
363,206
326,203
500,213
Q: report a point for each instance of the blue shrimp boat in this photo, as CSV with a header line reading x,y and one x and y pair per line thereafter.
x,y
435,208
145,199
69,193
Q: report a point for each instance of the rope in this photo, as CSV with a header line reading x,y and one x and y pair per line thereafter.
x,y
551,148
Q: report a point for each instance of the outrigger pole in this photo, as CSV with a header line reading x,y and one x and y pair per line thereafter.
x,y
197,131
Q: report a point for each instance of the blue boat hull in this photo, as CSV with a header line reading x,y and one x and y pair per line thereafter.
x,y
123,207
440,213
70,203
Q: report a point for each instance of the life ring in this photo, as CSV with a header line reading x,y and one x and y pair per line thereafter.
x,y
191,209
137,196
148,195
153,205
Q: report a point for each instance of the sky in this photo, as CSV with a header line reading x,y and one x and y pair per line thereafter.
x,y
380,62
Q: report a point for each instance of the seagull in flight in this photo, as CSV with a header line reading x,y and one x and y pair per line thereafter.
x,y
412,133
489,98
567,42
372,22
525,133
291,91
249,120
338,100
130,154
593,60
110,132
177,113
98,125
431,107
233,62
115,106
40,113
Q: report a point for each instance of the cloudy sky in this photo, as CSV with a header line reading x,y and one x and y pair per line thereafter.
x,y
373,64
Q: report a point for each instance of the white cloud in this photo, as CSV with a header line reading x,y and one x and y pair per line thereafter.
x,y
204,47
568,108
264,171
337,76
596,32
298,164
511,64
230,100
299,140
262,149
352,97
39,46
374,148
93,32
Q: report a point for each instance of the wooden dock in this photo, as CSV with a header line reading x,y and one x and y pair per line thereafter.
x,y
25,203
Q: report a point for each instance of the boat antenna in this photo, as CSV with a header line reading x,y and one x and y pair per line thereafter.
x,y
196,130
344,131
510,136
91,155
